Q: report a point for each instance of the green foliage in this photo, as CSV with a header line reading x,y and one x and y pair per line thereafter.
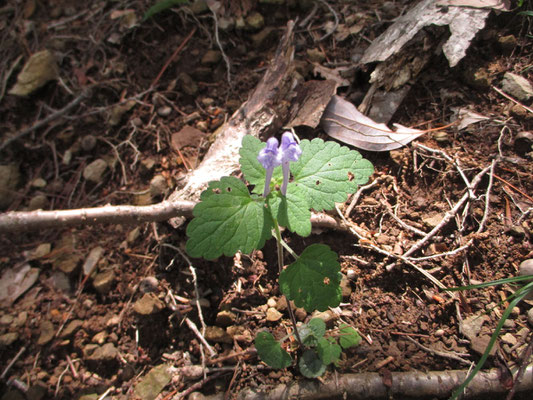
x,y
313,281
162,6
515,298
227,219
270,351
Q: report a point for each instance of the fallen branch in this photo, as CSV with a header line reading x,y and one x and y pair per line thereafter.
x,y
371,385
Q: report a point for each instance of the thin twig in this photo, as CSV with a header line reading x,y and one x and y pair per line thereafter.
x,y
445,254
192,326
224,56
85,93
331,10
512,99
444,354
13,361
487,198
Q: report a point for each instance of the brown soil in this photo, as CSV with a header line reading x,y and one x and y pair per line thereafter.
x,y
389,307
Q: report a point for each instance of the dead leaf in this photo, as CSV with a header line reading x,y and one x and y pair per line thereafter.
x,y
187,136
344,122
466,117
463,23
15,281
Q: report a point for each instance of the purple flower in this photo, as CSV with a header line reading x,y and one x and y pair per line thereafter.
x,y
270,158
290,151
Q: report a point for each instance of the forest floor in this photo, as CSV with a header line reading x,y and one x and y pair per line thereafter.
x,y
73,333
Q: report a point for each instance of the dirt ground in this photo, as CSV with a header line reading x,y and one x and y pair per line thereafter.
x,y
73,333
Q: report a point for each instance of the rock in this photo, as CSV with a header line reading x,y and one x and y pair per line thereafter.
x,y
471,326
434,220
517,231
523,143
479,345
346,287
148,284
479,78
273,315
67,262
316,55
254,21
71,328
99,338
7,320
148,304
226,318
133,235
38,202
114,320
103,281
7,339
507,43
164,111
158,185
37,391
350,274
441,137
21,319
153,382
271,302
509,324
88,143
240,334
300,314
105,353
327,316
261,38
517,86
38,183
147,165
199,6
226,23
92,259
217,334
211,57
530,317
509,339
40,68
9,179
47,332
94,171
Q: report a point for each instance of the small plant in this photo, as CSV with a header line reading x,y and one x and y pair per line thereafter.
x,y
162,6
229,219
522,292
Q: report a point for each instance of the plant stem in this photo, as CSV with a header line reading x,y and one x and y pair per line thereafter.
x,y
280,267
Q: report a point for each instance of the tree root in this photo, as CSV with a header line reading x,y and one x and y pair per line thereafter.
x,y
402,385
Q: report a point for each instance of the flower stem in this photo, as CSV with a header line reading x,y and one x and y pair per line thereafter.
x,y
280,267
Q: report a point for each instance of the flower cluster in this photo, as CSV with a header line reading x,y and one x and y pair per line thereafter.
x,y
272,156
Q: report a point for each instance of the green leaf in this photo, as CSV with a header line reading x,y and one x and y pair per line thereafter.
x,y
226,220
328,351
310,365
311,332
270,351
348,337
252,169
313,281
328,172
162,6
292,210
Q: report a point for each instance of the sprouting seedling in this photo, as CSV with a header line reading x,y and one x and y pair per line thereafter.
x,y
229,219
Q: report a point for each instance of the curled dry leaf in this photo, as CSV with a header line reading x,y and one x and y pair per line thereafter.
x,y
15,281
344,122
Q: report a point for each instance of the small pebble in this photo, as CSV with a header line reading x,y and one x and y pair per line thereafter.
x,y
148,284
88,143
530,317
164,111
439,332
350,274
526,267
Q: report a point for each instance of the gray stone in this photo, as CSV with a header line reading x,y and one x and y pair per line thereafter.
x,y
7,339
327,316
187,84
346,287
99,338
226,23
7,319
71,328
153,383
40,68
38,183
509,339
273,315
9,179
226,318
148,284
433,220
107,352
517,86
526,267
47,332
530,317
88,143
164,111
38,202
92,259
211,57
103,281
94,171
148,304
158,185
255,21
217,334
